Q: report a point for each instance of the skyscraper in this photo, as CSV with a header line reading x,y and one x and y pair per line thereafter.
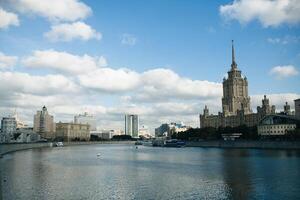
x,y
43,124
132,125
8,128
235,103
235,91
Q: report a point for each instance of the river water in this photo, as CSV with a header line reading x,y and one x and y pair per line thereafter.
x,y
124,172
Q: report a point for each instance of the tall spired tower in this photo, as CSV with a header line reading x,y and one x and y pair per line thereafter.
x,y
235,91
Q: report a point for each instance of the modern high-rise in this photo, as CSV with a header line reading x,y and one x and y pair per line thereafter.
x,y
132,125
86,118
43,124
8,128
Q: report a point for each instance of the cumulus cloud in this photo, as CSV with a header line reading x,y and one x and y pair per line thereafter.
x,y
62,61
281,72
166,83
8,19
151,85
68,32
110,80
128,39
102,62
54,10
268,12
275,99
11,82
7,61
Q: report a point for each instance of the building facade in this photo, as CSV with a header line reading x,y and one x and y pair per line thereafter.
x,y
132,125
86,118
274,125
8,128
43,124
236,105
297,108
20,123
168,129
72,132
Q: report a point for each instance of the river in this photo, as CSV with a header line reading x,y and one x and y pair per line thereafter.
x,y
124,172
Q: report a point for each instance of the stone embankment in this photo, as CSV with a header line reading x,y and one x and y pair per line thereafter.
x,y
247,144
8,148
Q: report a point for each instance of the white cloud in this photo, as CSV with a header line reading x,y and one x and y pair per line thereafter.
x,y
8,19
275,99
128,39
281,72
68,32
11,82
102,62
268,12
153,85
62,61
284,40
7,61
110,80
54,10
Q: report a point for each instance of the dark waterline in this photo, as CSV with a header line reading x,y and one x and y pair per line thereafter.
x,y
123,172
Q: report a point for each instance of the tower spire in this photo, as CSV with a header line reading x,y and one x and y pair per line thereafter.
x,y
233,65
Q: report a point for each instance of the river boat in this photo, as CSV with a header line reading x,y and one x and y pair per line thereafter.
x,y
59,144
147,143
174,143
138,142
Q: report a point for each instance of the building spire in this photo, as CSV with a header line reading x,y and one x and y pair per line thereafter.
x,y
233,65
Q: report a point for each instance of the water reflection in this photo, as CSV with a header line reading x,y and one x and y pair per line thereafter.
x,y
123,172
236,173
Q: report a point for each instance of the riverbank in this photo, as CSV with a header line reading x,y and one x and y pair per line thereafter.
x,y
247,144
8,148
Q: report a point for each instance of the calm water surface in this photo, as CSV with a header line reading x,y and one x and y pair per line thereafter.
x,y
123,172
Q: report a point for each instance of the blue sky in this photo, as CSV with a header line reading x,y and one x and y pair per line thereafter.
x,y
191,39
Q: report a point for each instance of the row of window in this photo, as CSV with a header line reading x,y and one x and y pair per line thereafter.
x,y
280,131
279,126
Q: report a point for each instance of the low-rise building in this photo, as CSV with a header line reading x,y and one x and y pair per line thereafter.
x,y
103,134
72,132
27,135
86,118
274,125
169,128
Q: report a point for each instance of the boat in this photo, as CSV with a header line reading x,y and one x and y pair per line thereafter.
x,y
174,143
59,144
147,143
138,142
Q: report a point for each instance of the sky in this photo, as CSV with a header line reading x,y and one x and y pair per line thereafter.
x,y
161,59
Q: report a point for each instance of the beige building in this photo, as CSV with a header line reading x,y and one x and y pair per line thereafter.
x,y
43,124
235,103
274,125
72,131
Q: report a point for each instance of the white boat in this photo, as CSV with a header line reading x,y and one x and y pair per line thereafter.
x,y
59,144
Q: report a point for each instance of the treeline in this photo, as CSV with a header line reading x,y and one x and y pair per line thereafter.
x,y
248,133
210,133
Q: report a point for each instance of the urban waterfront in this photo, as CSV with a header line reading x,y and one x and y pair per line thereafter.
x,y
120,171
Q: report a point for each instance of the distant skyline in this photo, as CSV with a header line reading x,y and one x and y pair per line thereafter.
x,y
161,59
